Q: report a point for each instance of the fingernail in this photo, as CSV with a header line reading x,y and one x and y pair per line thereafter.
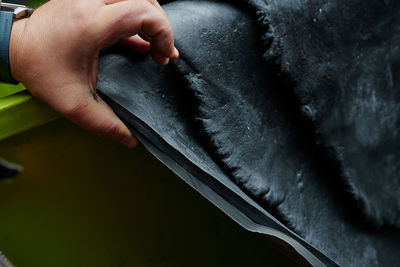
x,y
131,142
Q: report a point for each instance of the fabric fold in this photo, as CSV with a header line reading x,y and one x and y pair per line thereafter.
x,y
231,123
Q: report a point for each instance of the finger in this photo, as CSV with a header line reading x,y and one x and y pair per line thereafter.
x,y
127,18
160,59
153,2
144,36
162,37
136,43
91,113
176,54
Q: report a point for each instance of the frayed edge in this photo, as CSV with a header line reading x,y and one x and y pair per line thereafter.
x,y
270,201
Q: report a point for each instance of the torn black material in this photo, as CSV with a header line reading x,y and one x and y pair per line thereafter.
x,y
344,59
257,109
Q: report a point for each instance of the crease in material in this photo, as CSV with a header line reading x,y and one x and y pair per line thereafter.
x,y
274,123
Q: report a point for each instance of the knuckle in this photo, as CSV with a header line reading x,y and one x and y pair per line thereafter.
x,y
165,40
166,29
79,17
162,31
82,22
143,6
150,14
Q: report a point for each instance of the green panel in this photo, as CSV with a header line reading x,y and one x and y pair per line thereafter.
x,y
82,201
35,3
20,112
9,89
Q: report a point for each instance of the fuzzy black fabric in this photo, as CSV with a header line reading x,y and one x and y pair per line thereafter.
x,y
344,60
289,106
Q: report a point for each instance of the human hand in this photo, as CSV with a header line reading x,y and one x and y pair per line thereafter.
x,y
55,54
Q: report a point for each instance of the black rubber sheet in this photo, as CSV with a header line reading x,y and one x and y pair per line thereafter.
x,y
280,115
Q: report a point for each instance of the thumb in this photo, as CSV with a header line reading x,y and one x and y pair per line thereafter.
x,y
94,115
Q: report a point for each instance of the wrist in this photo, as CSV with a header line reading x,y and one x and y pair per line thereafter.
x,y
16,49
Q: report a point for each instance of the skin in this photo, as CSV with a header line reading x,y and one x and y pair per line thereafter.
x,y
55,53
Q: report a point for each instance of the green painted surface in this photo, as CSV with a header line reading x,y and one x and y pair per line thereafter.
x,y
20,112
35,3
83,201
9,89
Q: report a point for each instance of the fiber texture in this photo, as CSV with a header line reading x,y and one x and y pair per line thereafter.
x,y
289,106
344,60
